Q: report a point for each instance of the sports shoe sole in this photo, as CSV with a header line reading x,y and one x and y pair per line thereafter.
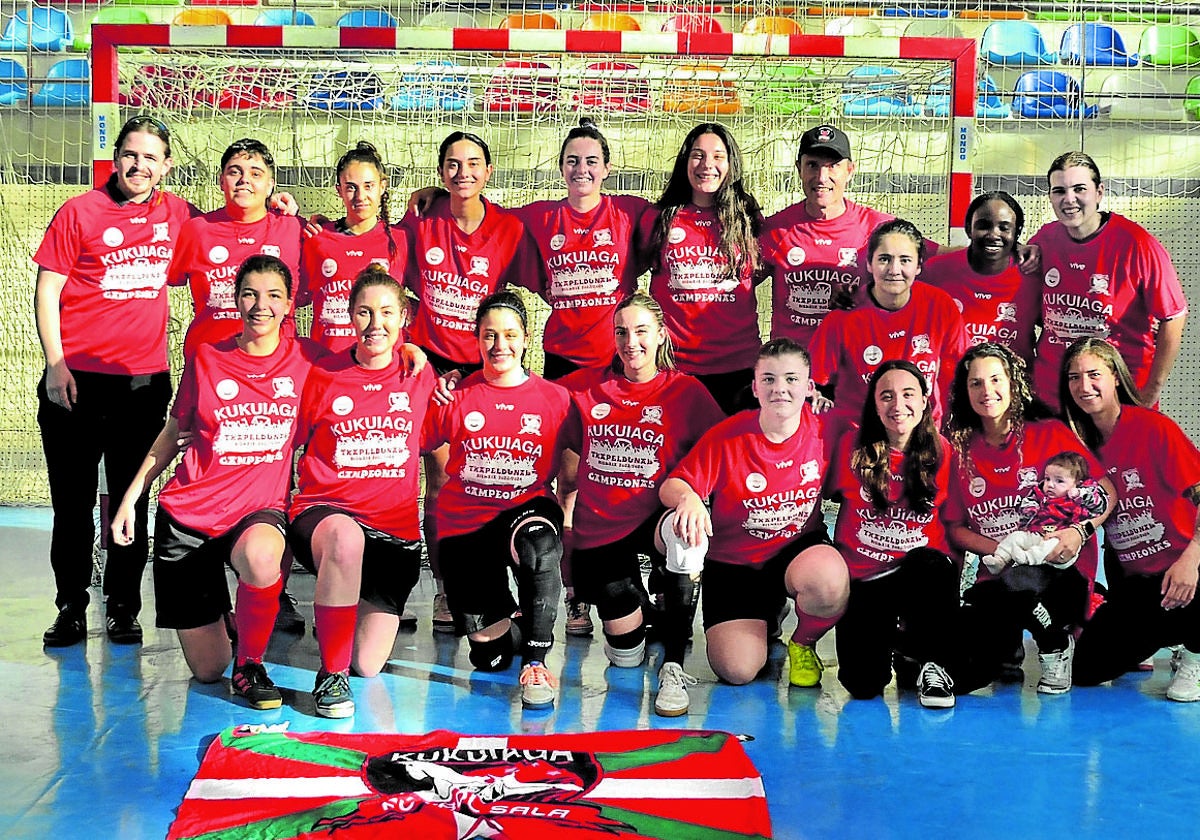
x,y
937,702
537,704
261,705
341,710
1052,689
669,713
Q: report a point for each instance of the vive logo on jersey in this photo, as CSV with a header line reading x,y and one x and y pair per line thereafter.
x,y
161,233
1078,266
399,401
283,387
783,465
652,415
480,266
372,386
112,237
245,240
1132,480
354,253
504,407
531,424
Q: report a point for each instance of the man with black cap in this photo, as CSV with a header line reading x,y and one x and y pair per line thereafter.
x,y
813,248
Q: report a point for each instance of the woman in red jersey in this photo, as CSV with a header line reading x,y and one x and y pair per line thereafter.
x,y
238,401
331,260
891,476
1153,555
212,247
702,247
497,513
631,423
354,515
1002,436
763,472
101,306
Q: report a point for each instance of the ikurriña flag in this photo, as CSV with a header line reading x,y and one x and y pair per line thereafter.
x,y
259,782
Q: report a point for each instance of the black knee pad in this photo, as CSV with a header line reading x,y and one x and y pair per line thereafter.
x,y
537,545
626,641
496,655
618,599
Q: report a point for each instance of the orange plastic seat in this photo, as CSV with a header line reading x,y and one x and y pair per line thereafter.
x,y
772,25
203,17
533,20
683,93
611,22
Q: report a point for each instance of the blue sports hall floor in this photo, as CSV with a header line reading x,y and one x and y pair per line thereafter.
x,y
101,741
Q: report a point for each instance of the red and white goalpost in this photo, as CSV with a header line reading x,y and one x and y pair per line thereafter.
x,y
522,89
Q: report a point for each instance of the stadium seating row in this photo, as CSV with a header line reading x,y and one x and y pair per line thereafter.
x,y
520,85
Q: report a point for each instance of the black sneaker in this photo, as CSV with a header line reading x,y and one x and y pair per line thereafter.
x,y
935,689
123,629
251,683
332,695
288,620
68,629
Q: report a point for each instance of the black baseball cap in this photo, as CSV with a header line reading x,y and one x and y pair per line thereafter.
x,y
824,138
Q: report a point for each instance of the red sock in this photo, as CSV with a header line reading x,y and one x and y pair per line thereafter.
x,y
255,617
335,635
810,628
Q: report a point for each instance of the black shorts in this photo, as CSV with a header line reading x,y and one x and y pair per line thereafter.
x,y
556,367
475,566
441,365
190,589
733,592
390,566
593,569
731,389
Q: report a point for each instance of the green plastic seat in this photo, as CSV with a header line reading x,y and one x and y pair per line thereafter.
x,y
790,90
1170,45
110,14
1192,103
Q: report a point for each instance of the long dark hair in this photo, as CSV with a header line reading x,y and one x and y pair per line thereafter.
x,y
1127,392
922,455
364,152
962,423
738,213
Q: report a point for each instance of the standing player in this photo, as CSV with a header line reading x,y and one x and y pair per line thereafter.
x,y
464,249
238,401
1104,276
998,301
899,318
101,308
354,515
497,513
702,247
763,472
331,260
213,246
631,423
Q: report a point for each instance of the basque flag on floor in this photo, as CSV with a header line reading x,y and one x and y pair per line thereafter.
x,y
263,782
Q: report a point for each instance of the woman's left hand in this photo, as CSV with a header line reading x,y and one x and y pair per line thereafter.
x,y
1029,258
1070,542
1179,583
412,359
821,404
285,203
443,391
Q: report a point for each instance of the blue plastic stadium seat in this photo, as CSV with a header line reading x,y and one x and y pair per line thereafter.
x,y
346,90
66,85
13,85
284,17
1014,42
368,18
47,30
988,106
884,93
1094,44
434,86
1049,94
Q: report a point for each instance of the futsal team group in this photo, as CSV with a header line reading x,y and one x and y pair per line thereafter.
x,y
997,401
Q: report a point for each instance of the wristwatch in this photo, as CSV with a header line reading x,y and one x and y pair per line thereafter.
x,y
1089,530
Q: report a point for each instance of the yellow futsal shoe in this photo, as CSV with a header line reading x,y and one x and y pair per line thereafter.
x,y
804,666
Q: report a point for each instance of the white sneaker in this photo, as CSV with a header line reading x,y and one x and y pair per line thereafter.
x,y
935,689
672,699
626,657
1056,669
538,687
1185,685
1176,657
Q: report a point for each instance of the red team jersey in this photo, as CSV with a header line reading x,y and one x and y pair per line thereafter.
x,y
1151,462
361,430
809,259
850,345
711,315
629,435
451,272
986,497
590,267
874,542
1003,308
241,411
505,448
764,494
211,249
1117,284
329,263
113,307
